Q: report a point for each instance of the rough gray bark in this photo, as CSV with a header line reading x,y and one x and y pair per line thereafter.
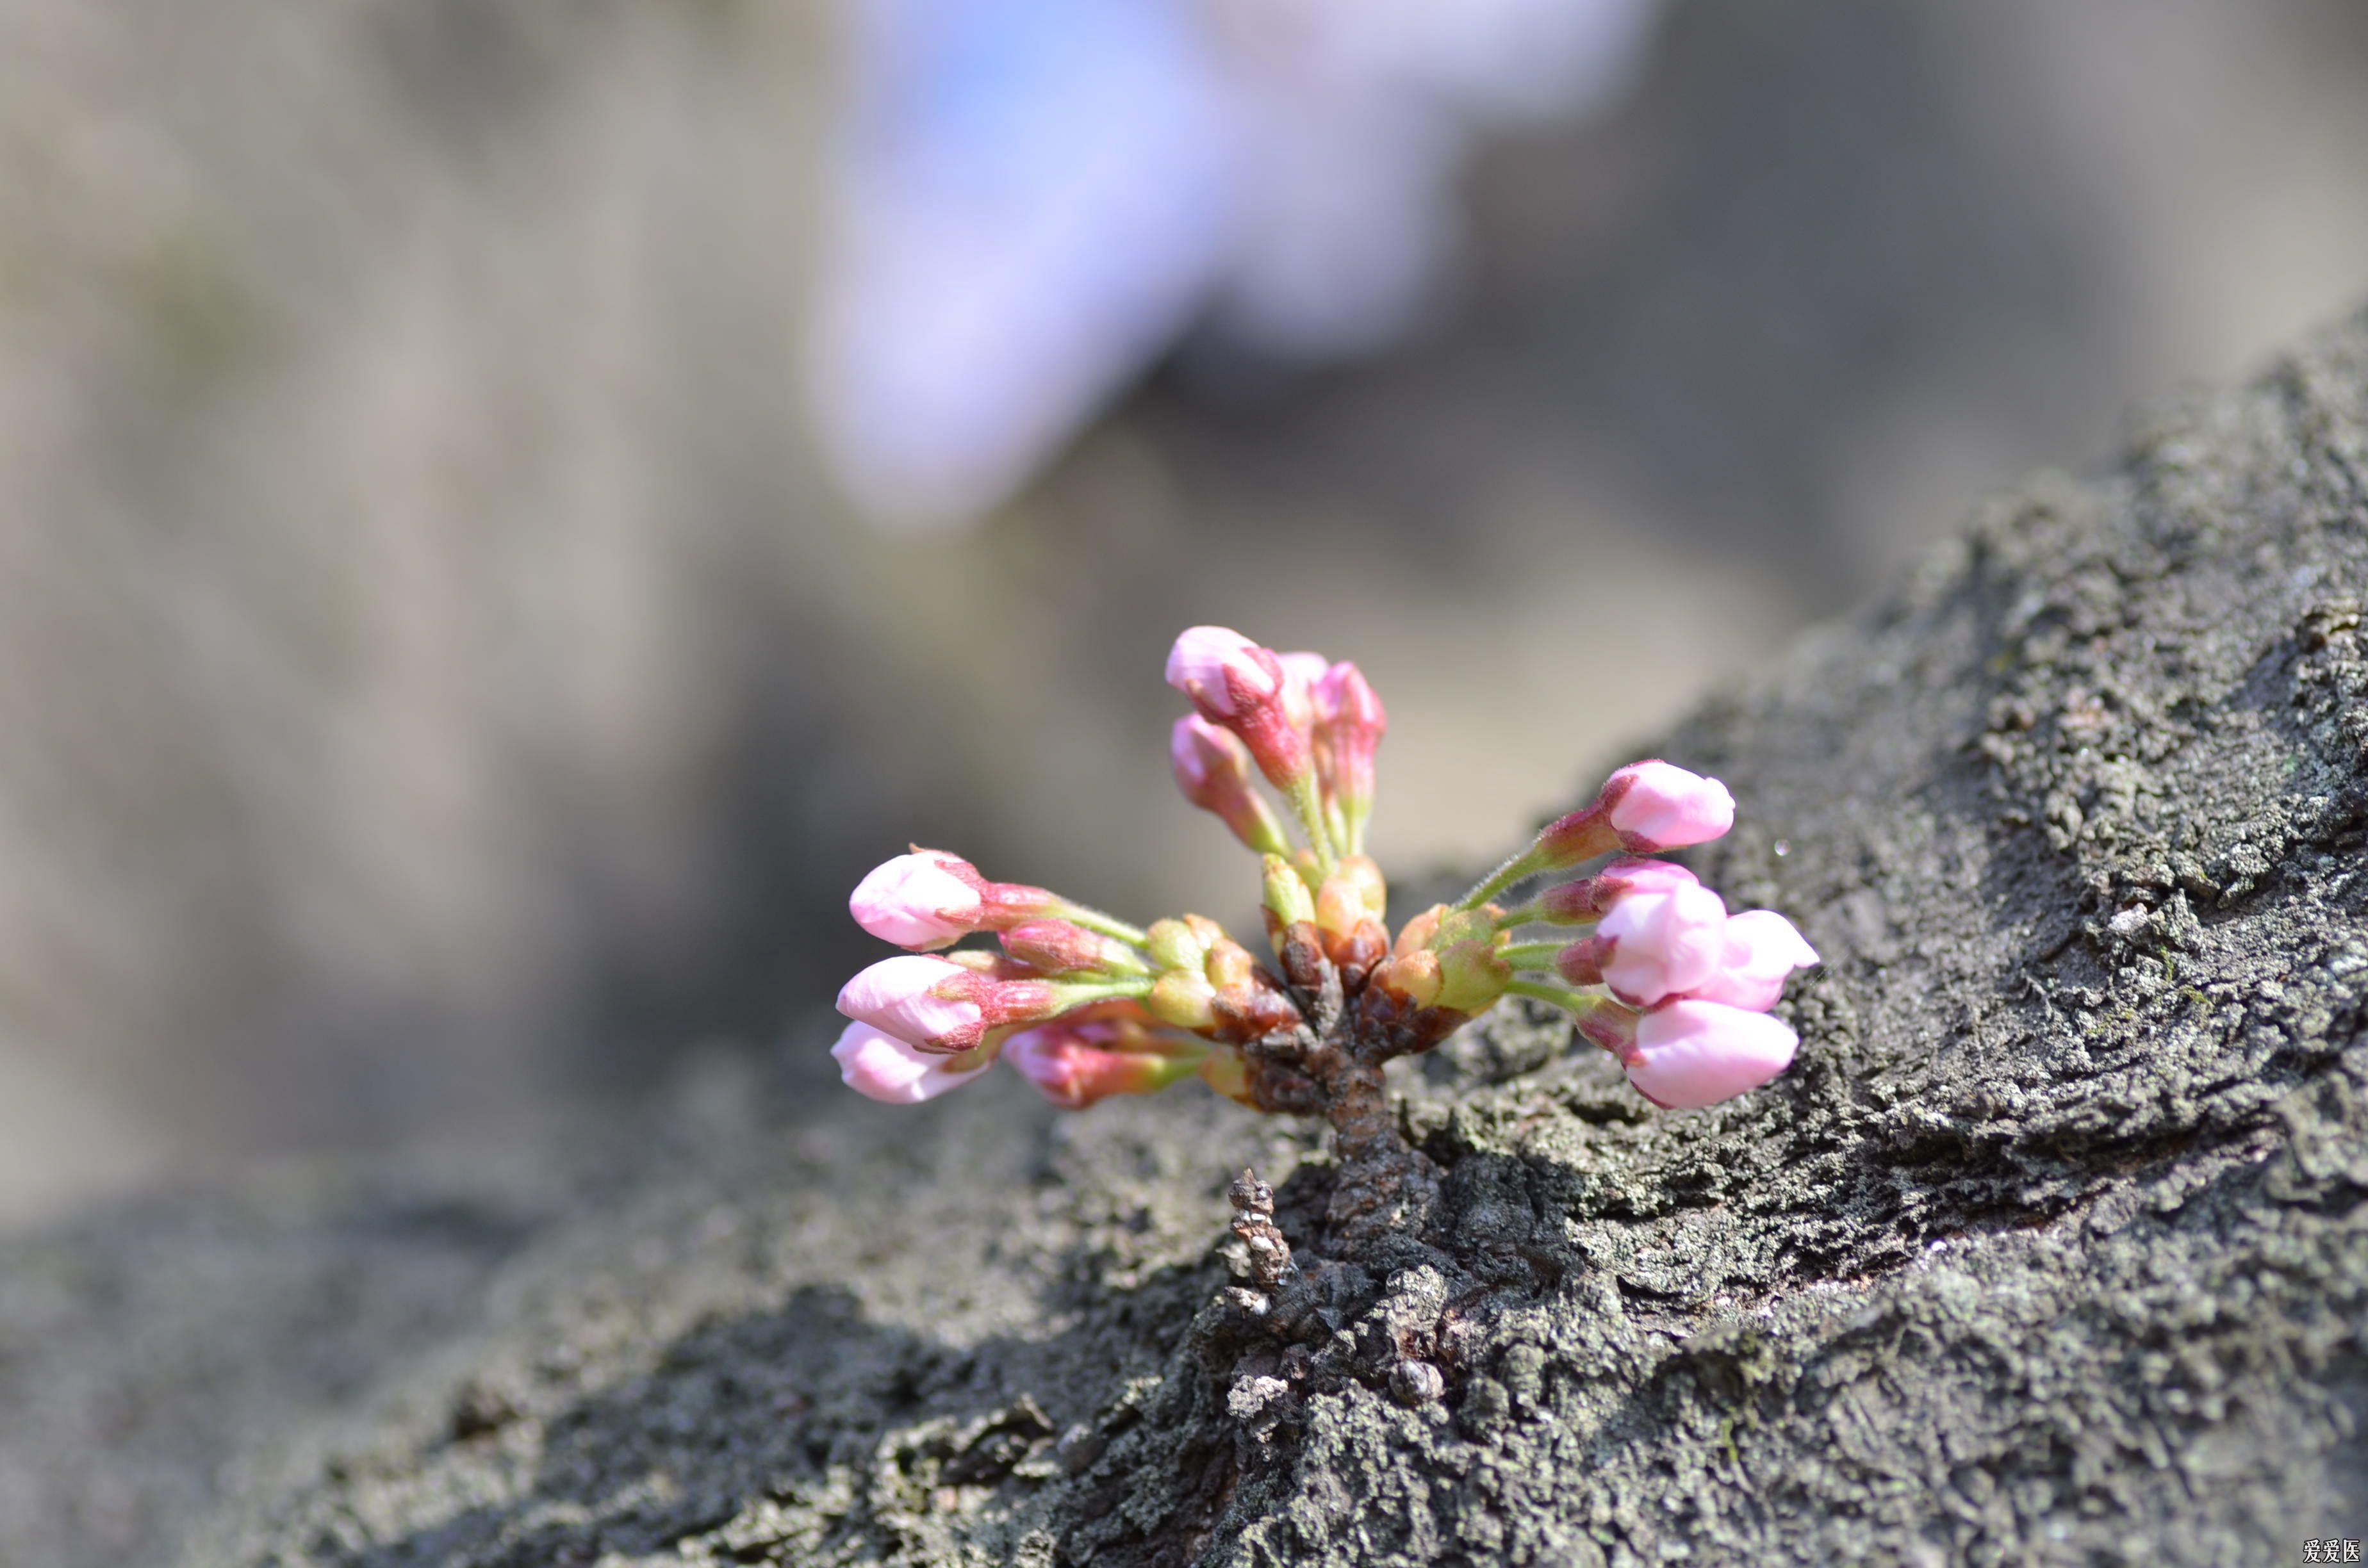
x,y
2050,1248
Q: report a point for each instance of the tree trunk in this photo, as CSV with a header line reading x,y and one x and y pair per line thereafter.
x,y
2049,1248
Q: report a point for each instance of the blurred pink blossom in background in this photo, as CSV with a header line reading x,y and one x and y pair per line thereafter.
x,y
1034,200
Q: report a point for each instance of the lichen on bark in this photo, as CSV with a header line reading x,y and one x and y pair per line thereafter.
x,y
2051,1247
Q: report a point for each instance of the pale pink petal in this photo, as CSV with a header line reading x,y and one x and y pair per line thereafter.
x,y
1654,805
1761,947
1654,945
1344,696
1691,1053
882,1067
1209,664
1628,875
918,900
1301,672
898,996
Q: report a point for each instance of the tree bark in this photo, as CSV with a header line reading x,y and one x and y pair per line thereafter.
x,y
2049,1248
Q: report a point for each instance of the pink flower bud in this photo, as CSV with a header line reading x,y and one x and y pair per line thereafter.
x,y
1223,672
882,1067
1071,1067
925,900
1655,806
1301,674
1692,1053
1213,769
1761,948
1060,946
1654,945
1576,902
922,1001
1238,684
1349,724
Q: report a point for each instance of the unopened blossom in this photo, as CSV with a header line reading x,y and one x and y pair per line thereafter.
x,y
1302,673
1213,769
1692,1053
938,1005
1643,808
1062,947
1182,942
1655,806
1236,683
1289,909
1760,949
882,1067
1652,945
1073,1065
1580,902
925,900
1349,724
928,899
921,1000
1223,672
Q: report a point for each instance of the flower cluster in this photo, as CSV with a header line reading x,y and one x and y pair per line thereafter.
x,y
1647,960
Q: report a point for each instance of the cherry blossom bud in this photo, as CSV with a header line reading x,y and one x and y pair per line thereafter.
x,y
923,899
1290,911
1362,873
1223,672
1228,1073
1228,996
1651,946
882,1067
1184,999
1236,683
1413,978
1059,946
926,1002
1643,808
1348,907
1416,935
1230,966
1073,1065
944,1007
1288,902
1350,722
1181,942
1611,1026
1761,947
1302,673
929,899
1213,769
1653,806
1578,902
1692,1053
1472,974
1472,966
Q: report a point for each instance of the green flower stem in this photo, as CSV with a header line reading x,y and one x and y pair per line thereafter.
x,y
1265,835
1073,993
1531,955
1561,997
1310,810
1108,925
1527,863
1534,914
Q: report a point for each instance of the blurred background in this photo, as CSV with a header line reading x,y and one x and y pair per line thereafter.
x,y
507,511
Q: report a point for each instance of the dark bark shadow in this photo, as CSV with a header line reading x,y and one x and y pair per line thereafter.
x,y
860,1430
